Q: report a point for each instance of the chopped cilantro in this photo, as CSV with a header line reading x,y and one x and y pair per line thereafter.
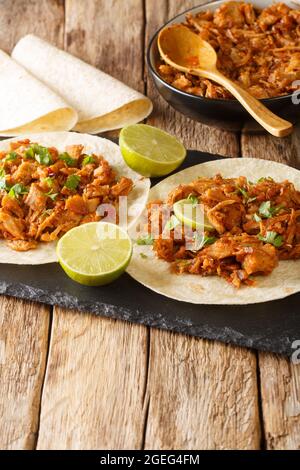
x,y
172,223
201,240
273,238
72,182
11,156
265,178
49,181
142,255
246,195
40,153
257,218
17,190
193,199
267,211
67,159
145,240
88,159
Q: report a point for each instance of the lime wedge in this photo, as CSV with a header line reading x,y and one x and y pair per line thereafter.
x,y
94,254
192,215
150,151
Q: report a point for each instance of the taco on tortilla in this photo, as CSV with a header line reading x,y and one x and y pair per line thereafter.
x,y
247,247
53,182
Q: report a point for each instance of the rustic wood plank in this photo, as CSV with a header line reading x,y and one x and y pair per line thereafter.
x,y
95,384
194,135
285,150
203,395
109,36
280,385
44,18
94,390
23,348
24,326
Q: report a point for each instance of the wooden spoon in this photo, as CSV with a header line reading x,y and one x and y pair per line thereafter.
x,y
187,52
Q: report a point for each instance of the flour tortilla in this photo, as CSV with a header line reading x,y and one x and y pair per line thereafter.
x,y
156,274
27,105
102,102
45,253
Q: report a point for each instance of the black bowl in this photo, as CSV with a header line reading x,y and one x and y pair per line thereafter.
x,y
221,113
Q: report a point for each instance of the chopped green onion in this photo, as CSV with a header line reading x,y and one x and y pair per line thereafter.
x,y
72,182
49,181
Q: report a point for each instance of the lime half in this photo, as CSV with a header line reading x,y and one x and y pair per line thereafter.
x,y
192,215
150,151
94,254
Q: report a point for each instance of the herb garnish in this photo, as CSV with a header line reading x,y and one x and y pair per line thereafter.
x,y
17,190
257,218
40,153
273,238
267,211
246,195
194,200
265,178
142,255
11,156
201,240
88,159
72,182
145,240
172,223
67,159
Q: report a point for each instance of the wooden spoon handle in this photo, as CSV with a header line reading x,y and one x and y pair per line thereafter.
x,y
274,124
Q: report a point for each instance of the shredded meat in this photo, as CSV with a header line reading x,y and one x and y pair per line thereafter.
x,y
253,226
258,49
45,193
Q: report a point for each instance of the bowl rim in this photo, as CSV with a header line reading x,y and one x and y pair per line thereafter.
x,y
190,95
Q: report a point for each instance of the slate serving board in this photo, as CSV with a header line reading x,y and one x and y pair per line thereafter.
x,y
270,326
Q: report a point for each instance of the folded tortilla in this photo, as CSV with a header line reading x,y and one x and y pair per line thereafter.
x,y
102,102
27,105
137,198
155,273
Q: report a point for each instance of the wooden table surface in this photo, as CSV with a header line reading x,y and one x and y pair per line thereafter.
x,y
75,381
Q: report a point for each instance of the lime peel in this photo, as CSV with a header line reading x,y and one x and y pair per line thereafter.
x,y
150,151
94,254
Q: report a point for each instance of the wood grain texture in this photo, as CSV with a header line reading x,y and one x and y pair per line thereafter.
x,y
24,325
203,395
280,391
267,147
23,347
42,17
95,384
193,135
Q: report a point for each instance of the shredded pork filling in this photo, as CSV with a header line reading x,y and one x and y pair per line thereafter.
x,y
45,193
255,226
258,49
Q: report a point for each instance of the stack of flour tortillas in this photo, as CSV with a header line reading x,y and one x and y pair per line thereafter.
x,y
46,89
